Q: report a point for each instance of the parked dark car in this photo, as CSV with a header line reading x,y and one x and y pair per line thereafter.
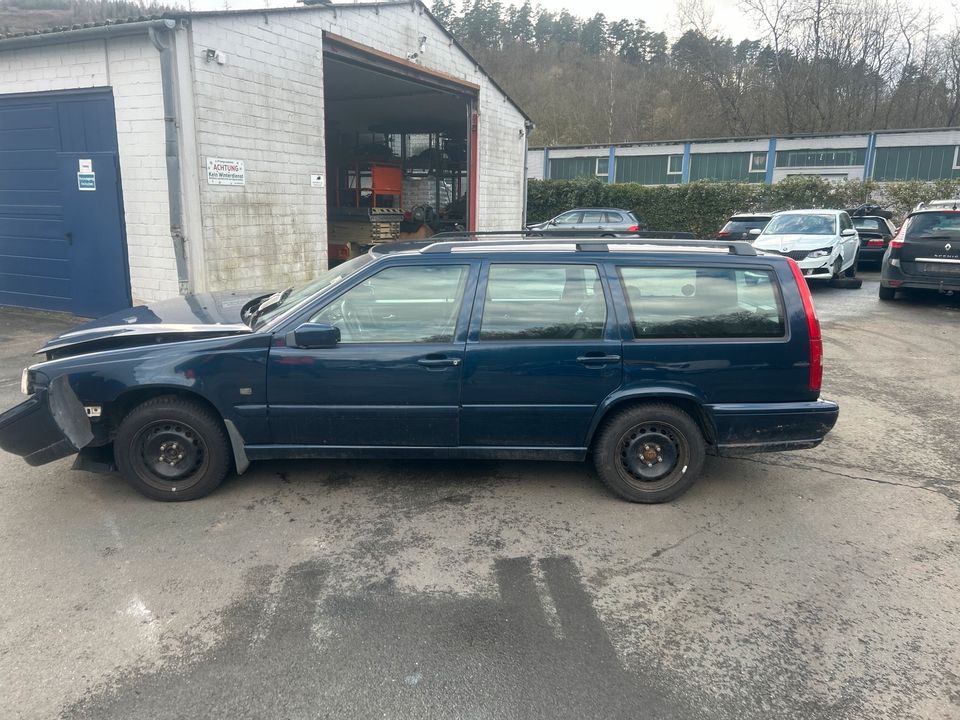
x,y
647,354
606,222
925,254
738,226
875,229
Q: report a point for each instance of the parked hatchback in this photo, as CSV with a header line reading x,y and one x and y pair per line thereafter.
x,y
824,243
738,226
645,355
605,222
875,234
925,254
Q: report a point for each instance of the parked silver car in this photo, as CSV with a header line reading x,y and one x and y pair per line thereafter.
x,y
605,222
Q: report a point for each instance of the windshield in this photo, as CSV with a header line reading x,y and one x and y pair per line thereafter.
x,y
934,224
802,225
290,298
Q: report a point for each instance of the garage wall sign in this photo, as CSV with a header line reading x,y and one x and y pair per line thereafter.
x,y
87,181
225,172
316,180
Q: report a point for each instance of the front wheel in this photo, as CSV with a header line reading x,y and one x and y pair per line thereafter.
x,y
650,453
172,449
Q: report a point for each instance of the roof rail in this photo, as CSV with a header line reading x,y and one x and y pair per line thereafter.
x,y
587,242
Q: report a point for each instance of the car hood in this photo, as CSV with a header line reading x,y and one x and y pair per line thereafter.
x,y
181,318
785,243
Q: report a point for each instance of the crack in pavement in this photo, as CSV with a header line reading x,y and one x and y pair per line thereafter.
x,y
937,486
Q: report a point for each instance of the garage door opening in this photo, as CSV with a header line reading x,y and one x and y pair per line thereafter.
x,y
398,147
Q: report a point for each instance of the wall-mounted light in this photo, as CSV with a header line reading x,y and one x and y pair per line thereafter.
x,y
214,55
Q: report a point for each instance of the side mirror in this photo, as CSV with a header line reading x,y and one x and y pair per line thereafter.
x,y
847,232
753,231
314,336
552,222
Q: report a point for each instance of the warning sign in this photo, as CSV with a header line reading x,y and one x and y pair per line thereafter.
x,y
225,172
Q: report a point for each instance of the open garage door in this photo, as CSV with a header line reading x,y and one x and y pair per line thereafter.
x,y
61,229
401,149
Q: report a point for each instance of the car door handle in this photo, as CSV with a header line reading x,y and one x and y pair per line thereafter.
x,y
598,359
438,362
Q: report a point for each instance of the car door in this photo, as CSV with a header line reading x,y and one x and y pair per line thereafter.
x,y
394,377
849,242
542,353
592,220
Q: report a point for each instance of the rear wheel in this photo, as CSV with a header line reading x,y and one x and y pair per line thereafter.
x,y
887,293
650,453
172,449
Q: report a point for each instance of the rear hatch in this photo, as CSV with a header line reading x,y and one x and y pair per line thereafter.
x,y
931,244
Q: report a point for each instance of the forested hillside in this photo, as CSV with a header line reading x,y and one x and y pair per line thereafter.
x,y
18,16
818,66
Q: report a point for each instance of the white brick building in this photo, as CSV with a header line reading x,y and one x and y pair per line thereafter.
x,y
269,88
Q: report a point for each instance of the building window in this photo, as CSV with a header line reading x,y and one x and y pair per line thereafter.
x,y
956,158
675,165
602,169
758,162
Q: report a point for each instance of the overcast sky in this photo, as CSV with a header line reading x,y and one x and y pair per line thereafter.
x,y
662,15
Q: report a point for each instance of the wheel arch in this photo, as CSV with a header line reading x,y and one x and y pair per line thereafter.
x,y
128,399
688,402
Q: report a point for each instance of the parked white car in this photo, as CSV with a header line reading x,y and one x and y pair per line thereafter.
x,y
824,243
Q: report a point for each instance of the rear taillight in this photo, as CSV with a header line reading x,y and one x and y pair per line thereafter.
x,y
874,243
813,329
633,228
897,241
724,233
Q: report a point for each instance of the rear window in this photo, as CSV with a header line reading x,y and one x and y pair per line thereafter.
x,y
612,217
671,302
869,223
741,225
934,225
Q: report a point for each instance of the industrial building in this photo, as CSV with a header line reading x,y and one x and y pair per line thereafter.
x,y
884,156
206,151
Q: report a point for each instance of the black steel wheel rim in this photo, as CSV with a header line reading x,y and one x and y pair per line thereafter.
x,y
649,456
169,455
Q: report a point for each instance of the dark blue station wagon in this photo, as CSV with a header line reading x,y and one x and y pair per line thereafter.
x,y
645,354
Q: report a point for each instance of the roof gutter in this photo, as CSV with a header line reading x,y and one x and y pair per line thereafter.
x,y
162,39
99,32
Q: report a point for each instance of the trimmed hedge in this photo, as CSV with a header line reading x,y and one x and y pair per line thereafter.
x,y
703,207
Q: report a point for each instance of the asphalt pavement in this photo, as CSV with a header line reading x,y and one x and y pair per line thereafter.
x,y
814,584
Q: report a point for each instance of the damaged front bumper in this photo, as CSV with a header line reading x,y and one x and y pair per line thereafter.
x,y
49,425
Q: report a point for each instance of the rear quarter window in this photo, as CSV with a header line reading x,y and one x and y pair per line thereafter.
x,y
672,302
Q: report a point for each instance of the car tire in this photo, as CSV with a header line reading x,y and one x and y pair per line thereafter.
x,y
172,449
837,268
888,293
624,453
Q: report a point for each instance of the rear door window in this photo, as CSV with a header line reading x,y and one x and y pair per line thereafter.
x,y
543,302
689,302
592,217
